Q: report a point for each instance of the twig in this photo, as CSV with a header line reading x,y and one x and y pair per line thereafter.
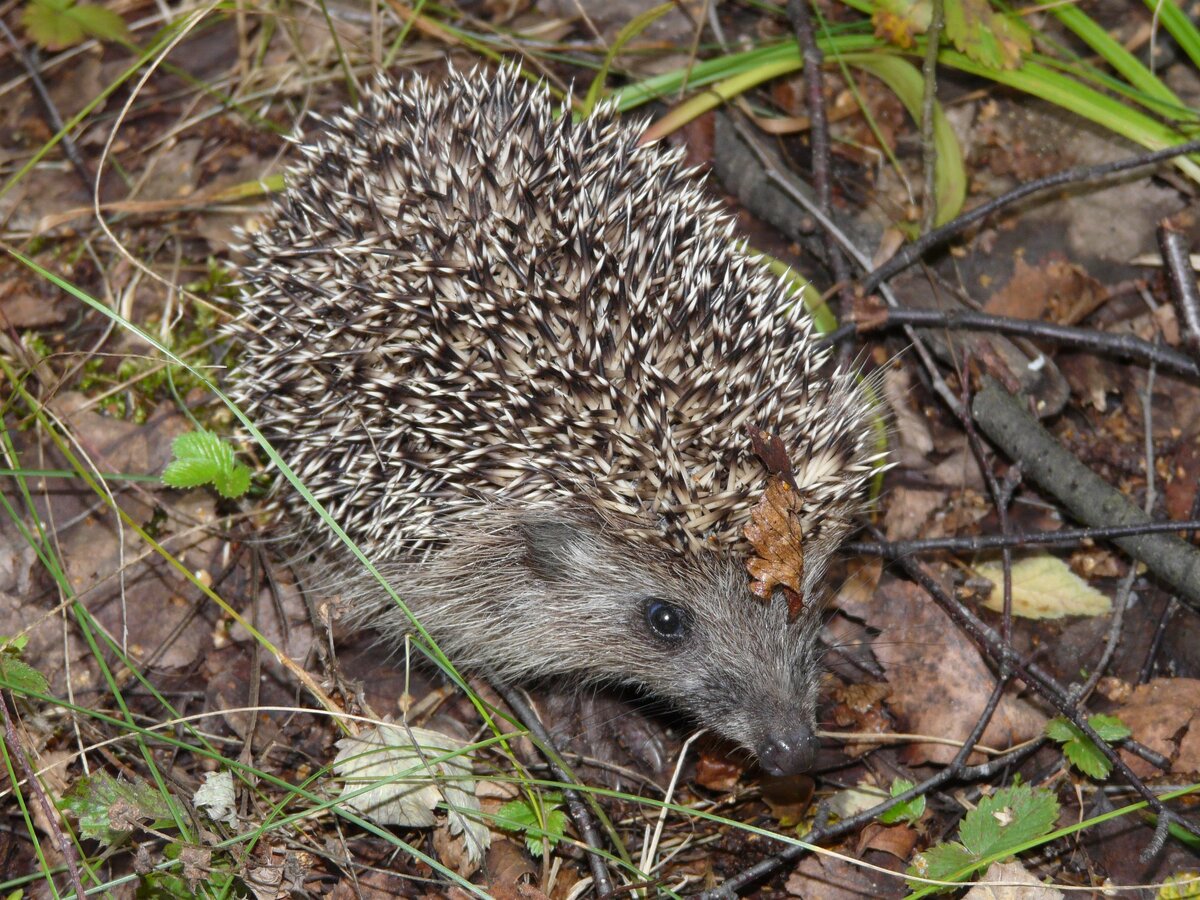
x,y
577,808
977,543
933,38
1182,280
30,62
918,248
860,259
17,751
814,85
1089,498
1121,345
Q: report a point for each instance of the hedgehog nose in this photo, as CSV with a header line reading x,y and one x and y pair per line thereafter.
x,y
788,753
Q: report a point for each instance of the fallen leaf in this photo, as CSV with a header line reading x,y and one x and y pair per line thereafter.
x,y
1044,587
940,684
409,771
775,533
1164,715
1011,881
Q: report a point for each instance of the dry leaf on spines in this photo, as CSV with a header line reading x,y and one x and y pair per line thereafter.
x,y
774,530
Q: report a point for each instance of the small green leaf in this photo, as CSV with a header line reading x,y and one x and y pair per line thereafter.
x,y
909,811
109,808
203,458
997,826
1078,747
57,24
522,816
16,674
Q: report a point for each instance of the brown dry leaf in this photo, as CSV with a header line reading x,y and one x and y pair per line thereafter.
x,y
908,511
717,773
1011,881
789,797
939,682
828,878
1054,289
775,533
859,708
771,450
507,866
1165,716
894,840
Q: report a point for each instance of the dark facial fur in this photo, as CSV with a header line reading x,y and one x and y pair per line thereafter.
x,y
514,355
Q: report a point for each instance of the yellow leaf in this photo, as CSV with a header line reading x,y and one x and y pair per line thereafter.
x,y
1044,587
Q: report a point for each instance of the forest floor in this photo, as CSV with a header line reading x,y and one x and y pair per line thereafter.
x,y
174,699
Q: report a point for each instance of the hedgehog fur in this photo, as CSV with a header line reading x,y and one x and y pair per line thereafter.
x,y
514,355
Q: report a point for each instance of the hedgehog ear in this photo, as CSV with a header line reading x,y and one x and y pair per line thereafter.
x,y
553,548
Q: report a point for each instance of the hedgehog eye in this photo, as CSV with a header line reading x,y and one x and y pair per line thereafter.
x,y
667,621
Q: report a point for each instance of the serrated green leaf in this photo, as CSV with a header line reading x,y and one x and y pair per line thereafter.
x,y
201,457
1087,758
202,445
909,811
186,473
1011,816
99,22
1060,730
998,825
108,808
17,675
941,862
522,816
1110,728
233,484
57,24
1078,747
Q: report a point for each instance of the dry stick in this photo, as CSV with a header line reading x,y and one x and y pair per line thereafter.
x,y
933,38
814,85
31,65
1173,246
1123,345
977,543
1089,497
914,251
577,808
65,847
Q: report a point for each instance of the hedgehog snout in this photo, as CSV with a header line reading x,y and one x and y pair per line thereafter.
x,y
788,751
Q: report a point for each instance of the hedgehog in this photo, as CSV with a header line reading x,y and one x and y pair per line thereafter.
x,y
515,353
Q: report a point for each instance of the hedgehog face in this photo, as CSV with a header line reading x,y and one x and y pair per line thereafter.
x,y
736,663
546,590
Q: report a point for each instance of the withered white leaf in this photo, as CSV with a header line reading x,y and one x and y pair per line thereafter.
x,y
1044,587
408,777
216,797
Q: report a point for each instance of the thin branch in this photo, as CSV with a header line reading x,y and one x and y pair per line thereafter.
x,y
978,543
1080,175
1182,280
577,807
31,64
1122,345
17,751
